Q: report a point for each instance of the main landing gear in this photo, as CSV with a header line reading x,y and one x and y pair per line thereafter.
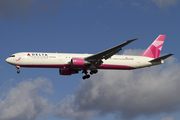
x,y
17,67
86,76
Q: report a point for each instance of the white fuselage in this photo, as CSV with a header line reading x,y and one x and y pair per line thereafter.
x,y
69,63
63,60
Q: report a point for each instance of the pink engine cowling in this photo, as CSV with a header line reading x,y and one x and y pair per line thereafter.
x,y
67,71
77,62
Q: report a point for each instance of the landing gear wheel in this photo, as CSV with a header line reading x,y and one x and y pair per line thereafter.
x,y
93,72
85,72
86,77
18,71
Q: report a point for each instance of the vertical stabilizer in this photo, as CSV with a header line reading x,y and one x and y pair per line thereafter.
x,y
153,51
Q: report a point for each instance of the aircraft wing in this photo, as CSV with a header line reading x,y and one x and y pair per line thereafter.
x,y
107,53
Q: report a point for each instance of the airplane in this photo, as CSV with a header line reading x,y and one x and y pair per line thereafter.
x,y
69,63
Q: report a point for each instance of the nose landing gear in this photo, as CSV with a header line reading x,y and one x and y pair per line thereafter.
x,y
17,67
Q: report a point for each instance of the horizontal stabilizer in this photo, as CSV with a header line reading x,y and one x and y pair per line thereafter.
x,y
161,58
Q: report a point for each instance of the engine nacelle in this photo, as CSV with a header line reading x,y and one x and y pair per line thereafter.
x,y
67,71
77,62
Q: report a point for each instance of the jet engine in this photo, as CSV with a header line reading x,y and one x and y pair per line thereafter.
x,y
67,71
77,62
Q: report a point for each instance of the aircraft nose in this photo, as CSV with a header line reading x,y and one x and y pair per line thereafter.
x,y
8,60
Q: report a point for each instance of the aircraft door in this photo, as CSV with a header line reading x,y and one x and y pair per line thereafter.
x,y
60,57
138,60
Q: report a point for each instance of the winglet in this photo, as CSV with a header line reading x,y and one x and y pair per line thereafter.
x,y
153,51
125,43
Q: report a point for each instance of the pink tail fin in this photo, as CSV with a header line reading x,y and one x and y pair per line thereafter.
x,y
154,49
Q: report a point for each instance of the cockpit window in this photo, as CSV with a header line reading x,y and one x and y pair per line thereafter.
x,y
12,56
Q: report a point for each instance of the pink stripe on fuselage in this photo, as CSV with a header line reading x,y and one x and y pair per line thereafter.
x,y
47,66
117,67
103,66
